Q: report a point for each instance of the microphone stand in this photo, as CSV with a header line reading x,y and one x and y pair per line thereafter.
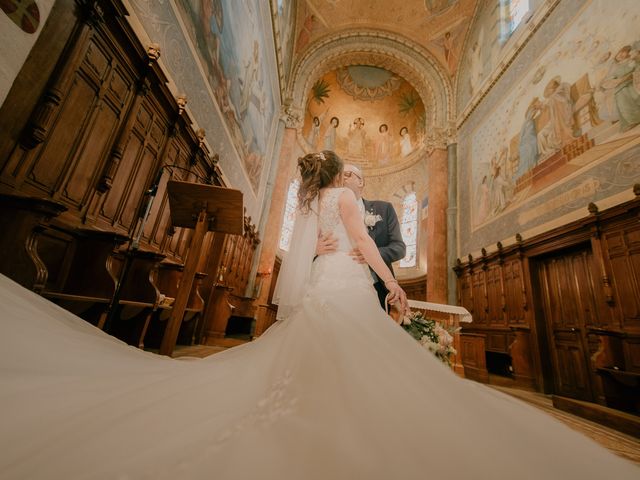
x,y
133,248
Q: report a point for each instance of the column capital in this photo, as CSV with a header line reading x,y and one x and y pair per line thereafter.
x,y
451,133
291,115
440,138
436,139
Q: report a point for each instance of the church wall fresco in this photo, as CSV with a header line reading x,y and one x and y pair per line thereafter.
x,y
284,20
483,50
218,52
368,115
20,25
559,129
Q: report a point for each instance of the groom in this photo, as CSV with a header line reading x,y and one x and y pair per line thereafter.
x,y
382,223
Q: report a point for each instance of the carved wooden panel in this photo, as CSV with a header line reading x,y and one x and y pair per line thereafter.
x,y
497,342
472,349
514,292
494,295
479,297
67,164
572,376
464,289
564,291
622,248
565,279
137,167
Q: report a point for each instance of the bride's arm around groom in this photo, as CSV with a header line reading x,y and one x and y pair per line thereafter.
x,y
352,219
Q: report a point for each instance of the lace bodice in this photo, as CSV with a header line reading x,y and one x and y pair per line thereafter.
x,y
329,217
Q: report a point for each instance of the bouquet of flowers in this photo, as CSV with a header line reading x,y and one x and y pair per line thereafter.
x,y
431,335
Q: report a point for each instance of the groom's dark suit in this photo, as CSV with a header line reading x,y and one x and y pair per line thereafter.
x,y
386,233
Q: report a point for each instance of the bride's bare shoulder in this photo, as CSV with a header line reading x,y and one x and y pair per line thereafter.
x,y
346,197
347,194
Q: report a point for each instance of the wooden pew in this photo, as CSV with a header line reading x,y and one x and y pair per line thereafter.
x,y
21,220
225,304
84,281
169,275
618,372
139,296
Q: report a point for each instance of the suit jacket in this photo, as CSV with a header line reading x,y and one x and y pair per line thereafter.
x,y
386,233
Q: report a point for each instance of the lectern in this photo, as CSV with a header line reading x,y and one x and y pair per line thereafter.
x,y
204,208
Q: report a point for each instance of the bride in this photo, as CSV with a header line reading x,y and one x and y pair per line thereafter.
x,y
334,390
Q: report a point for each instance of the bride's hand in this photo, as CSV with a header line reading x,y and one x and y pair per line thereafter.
x,y
396,294
357,256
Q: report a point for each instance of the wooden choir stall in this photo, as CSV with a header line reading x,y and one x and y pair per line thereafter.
x,y
560,313
96,131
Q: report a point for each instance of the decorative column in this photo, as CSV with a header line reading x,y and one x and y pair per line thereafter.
x,y
253,284
437,175
452,216
273,226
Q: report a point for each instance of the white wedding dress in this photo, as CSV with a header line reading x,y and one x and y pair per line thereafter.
x,y
337,391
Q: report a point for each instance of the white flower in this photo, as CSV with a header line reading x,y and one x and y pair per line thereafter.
x,y
370,219
406,320
444,337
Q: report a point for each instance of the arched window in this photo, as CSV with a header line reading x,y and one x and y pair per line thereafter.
x,y
409,228
289,215
512,12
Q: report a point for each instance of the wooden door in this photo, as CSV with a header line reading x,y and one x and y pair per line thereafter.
x,y
567,297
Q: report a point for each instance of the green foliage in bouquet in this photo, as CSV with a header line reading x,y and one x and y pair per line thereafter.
x,y
431,335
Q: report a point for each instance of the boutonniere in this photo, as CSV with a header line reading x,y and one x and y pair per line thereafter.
x,y
370,219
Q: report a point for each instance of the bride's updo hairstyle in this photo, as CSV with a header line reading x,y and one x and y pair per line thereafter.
x,y
318,170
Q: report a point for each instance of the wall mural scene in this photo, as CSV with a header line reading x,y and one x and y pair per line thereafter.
x,y
309,25
367,115
230,41
481,52
447,43
284,21
579,101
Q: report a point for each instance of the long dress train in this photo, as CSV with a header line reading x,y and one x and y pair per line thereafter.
x,y
337,391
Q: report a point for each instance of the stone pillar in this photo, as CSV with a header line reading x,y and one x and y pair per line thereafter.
x,y
452,222
276,164
271,234
437,175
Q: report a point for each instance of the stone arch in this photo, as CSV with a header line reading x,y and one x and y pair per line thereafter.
x,y
380,49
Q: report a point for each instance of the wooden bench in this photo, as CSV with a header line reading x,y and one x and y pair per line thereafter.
x,y
139,296
83,281
616,364
21,221
169,275
225,305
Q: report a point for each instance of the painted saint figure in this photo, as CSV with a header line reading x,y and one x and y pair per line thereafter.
x,y
314,133
331,133
626,66
357,137
405,142
383,146
528,147
559,130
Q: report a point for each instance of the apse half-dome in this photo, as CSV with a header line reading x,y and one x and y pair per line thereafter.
x,y
368,115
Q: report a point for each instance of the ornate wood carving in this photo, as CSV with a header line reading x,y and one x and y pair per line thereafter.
x,y
584,280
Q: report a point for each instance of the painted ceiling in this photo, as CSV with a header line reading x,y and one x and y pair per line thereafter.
x,y
437,25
